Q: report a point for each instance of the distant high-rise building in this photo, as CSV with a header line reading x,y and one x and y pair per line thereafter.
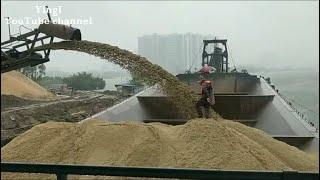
x,y
176,53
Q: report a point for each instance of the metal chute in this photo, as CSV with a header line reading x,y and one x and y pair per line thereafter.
x,y
60,31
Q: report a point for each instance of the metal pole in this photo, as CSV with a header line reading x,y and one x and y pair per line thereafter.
x,y
48,13
9,26
227,58
62,171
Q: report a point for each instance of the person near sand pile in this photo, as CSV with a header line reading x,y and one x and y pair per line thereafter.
x,y
207,98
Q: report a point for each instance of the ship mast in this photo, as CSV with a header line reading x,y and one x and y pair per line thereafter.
x,y
219,57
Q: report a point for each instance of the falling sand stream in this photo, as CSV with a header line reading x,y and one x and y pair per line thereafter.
x,y
179,94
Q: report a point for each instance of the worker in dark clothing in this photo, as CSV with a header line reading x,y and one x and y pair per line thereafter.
x,y
206,100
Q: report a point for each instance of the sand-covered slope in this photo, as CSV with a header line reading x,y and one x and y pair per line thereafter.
x,y
215,144
17,84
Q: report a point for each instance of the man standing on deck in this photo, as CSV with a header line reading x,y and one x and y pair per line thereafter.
x,y
207,98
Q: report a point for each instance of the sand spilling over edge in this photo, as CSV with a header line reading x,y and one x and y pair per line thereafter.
x,y
17,84
180,95
214,144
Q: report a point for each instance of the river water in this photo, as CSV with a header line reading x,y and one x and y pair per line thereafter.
x,y
301,86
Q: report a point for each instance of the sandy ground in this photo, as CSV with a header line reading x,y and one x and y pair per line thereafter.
x,y
213,144
25,104
17,84
18,115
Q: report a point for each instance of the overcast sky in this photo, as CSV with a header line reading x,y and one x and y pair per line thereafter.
x,y
270,34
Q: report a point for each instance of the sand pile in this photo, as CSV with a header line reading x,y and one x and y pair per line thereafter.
x,y
216,144
16,84
180,95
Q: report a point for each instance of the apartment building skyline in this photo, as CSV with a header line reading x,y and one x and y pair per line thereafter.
x,y
176,53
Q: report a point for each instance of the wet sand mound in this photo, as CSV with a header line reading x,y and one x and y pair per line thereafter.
x,y
214,144
16,84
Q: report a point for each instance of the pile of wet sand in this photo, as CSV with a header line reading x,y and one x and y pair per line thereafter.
x,y
16,84
213,144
